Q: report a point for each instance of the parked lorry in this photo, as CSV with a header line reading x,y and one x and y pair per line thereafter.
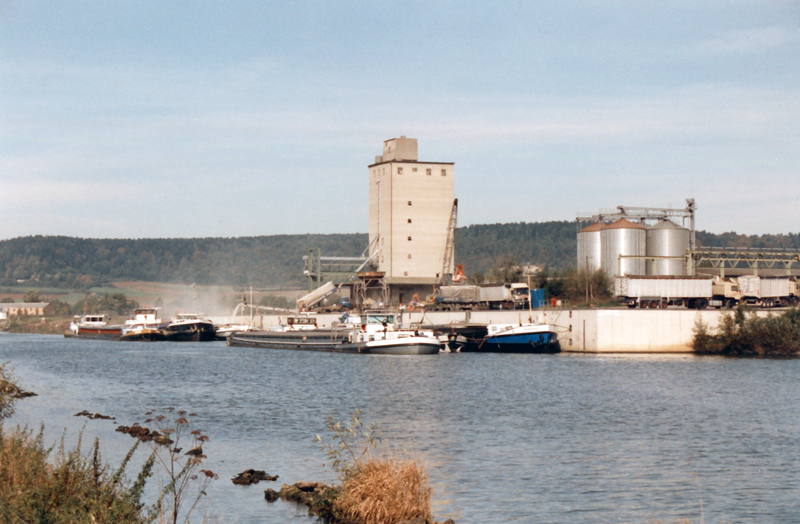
x,y
702,291
768,291
501,296
661,291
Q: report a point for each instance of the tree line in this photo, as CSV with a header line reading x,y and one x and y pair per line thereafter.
x,y
78,263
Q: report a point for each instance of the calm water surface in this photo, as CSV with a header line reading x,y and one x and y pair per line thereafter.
x,y
507,438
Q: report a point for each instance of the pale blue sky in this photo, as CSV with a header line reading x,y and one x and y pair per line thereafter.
x,y
209,118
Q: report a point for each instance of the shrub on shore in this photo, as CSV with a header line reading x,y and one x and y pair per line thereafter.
x,y
77,488
374,489
9,391
74,489
743,334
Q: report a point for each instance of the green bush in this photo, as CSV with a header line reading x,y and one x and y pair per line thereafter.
x,y
743,334
74,489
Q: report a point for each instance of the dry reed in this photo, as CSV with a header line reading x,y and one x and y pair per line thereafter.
x,y
384,491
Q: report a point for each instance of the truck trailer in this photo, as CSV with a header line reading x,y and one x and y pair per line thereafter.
x,y
697,292
501,296
768,291
702,291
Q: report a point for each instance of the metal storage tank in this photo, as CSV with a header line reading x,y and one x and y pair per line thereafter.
x,y
666,238
590,252
623,237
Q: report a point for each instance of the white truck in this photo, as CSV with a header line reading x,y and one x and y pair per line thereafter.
x,y
768,291
697,292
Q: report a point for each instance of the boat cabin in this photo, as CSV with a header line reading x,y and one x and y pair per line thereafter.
x,y
144,315
301,322
92,320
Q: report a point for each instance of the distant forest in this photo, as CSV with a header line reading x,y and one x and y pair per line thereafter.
x,y
271,261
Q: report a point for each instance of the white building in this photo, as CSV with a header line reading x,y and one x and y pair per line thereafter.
x,y
410,204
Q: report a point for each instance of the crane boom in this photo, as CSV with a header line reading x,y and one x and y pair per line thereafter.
x,y
449,246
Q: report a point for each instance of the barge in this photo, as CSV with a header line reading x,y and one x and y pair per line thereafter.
x,y
372,332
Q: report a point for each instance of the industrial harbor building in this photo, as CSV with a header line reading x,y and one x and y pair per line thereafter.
x,y
412,221
411,210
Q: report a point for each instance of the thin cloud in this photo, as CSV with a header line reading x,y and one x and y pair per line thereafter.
x,y
755,40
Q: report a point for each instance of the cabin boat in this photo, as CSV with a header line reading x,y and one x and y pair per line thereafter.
x,y
94,326
144,324
189,327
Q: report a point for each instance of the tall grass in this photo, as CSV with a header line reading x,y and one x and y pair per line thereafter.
x,y
376,488
75,488
384,491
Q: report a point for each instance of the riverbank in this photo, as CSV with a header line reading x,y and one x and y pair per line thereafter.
x,y
36,325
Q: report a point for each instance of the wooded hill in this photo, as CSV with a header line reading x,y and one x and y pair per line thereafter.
x,y
78,263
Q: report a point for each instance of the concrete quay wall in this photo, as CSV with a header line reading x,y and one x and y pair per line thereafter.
x,y
579,330
606,330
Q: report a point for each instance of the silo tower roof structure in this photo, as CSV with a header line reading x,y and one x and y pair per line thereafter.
x,y
597,226
623,223
667,224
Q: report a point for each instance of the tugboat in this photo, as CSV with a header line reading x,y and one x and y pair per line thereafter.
x,y
144,325
189,327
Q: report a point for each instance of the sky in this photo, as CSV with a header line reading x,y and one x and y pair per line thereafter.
x,y
165,119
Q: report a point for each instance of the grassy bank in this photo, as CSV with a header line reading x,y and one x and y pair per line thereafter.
x,y
743,333
44,326
72,489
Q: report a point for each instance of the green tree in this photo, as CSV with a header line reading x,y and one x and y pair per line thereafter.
x,y
508,272
31,296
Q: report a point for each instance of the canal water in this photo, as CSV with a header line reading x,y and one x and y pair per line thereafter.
x,y
506,438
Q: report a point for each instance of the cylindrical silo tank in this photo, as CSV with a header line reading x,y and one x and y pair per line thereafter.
x,y
623,237
667,239
590,252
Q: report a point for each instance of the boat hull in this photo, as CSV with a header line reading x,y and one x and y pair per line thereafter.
x,y
522,343
464,337
333,341
404,346
99,333
316,340
144,335
190,332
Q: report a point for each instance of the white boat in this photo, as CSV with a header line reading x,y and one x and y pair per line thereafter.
x,y
381,335
223,332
